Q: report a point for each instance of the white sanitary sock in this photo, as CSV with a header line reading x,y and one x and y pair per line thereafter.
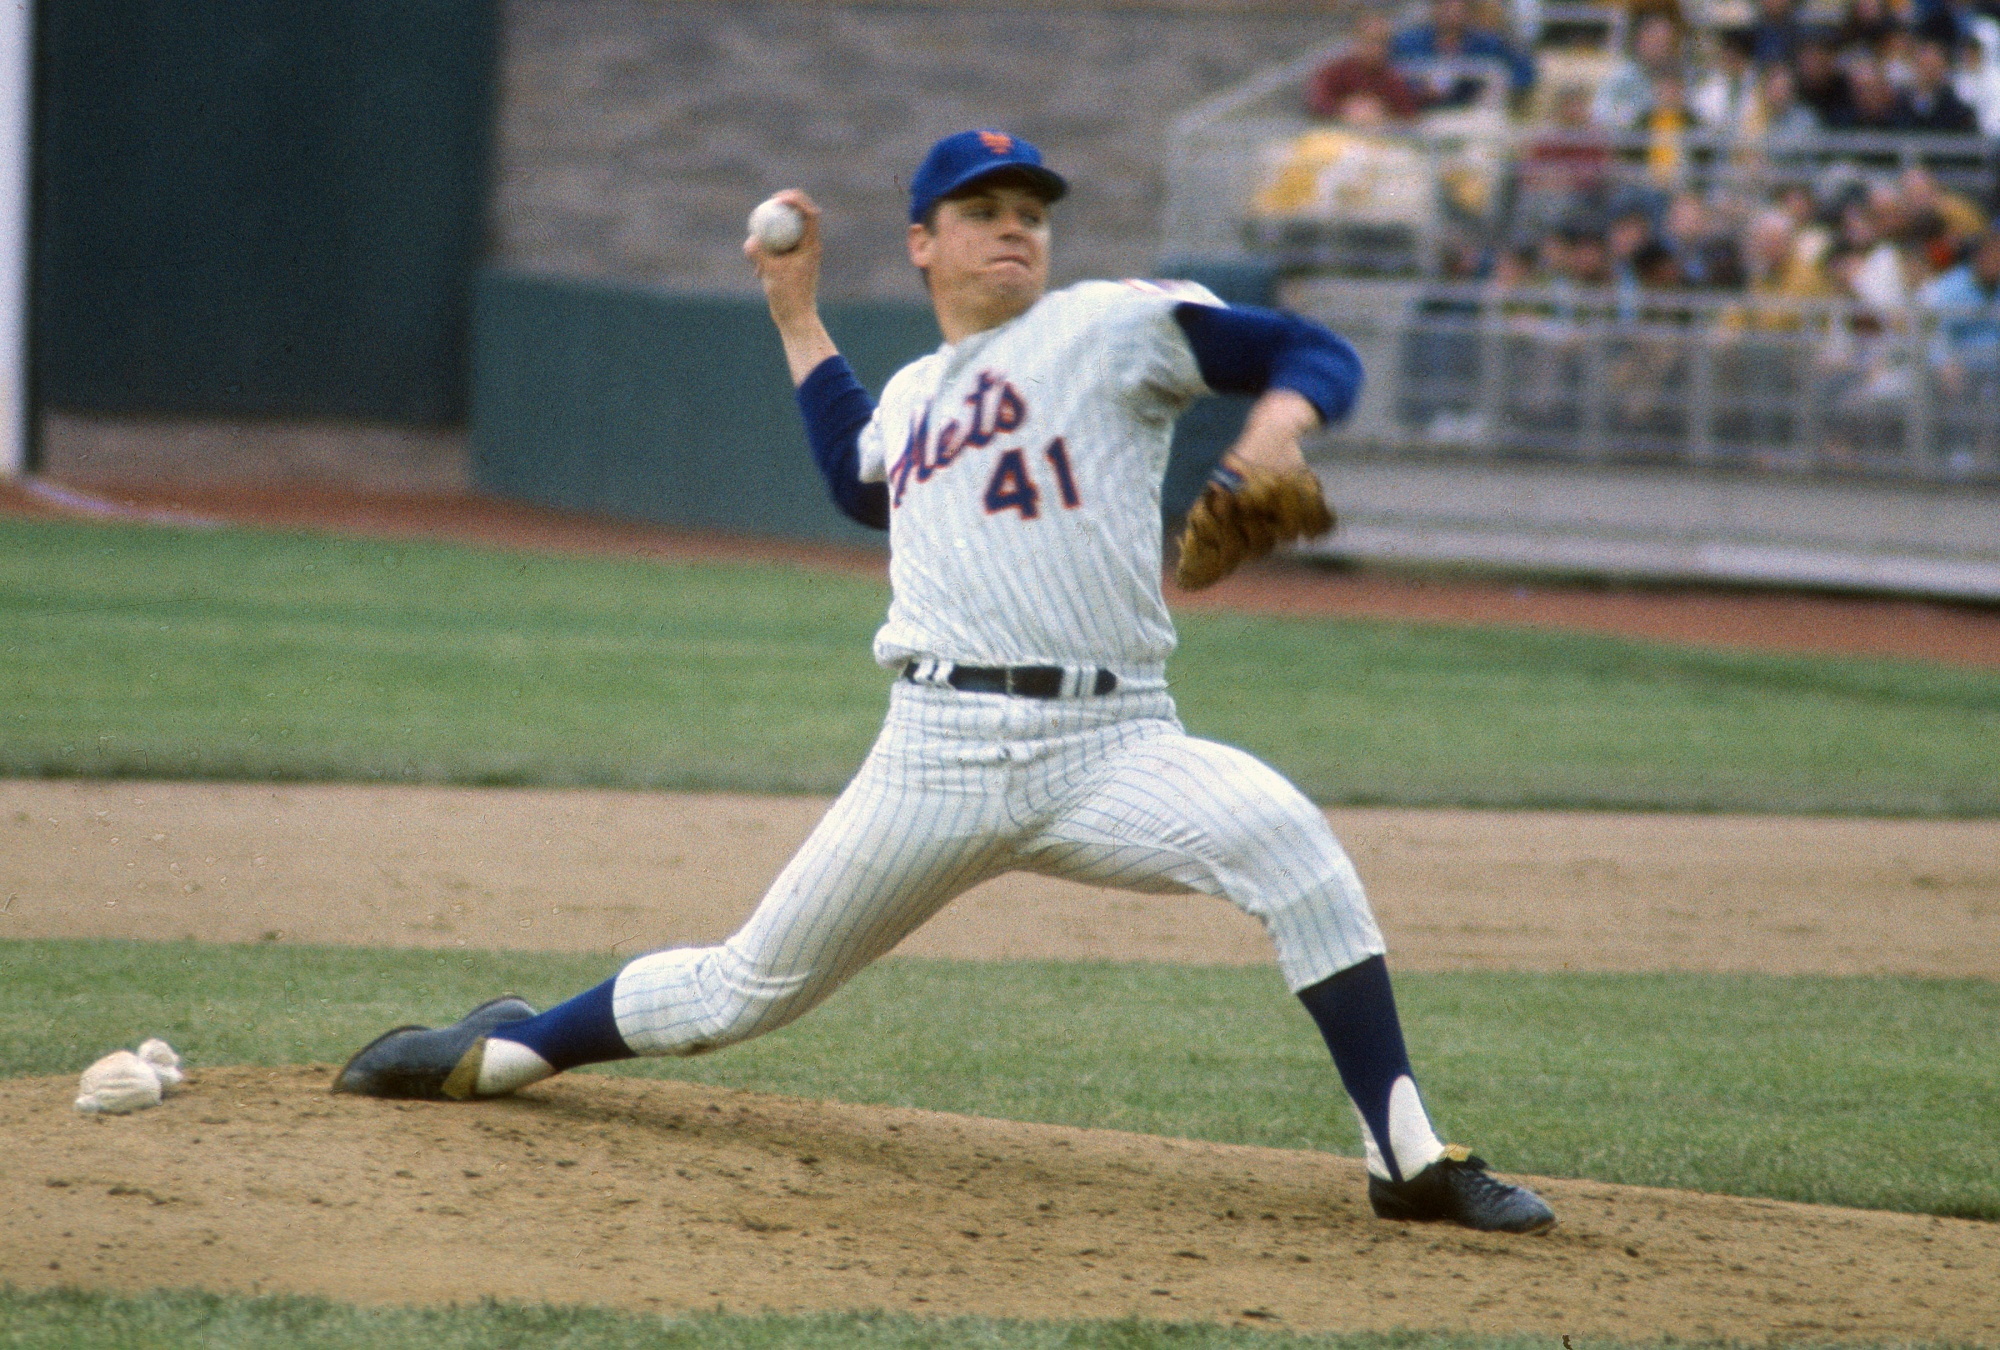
x,y
1410,1134
505,1066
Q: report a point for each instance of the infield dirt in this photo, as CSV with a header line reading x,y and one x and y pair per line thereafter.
x,y
659,1195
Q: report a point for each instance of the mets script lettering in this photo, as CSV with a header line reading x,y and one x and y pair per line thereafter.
x,y
993,408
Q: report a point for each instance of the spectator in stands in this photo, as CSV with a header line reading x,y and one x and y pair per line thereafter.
x,y
1812,237
1625,96
1774,37
1966,301
1704,251
1877,275
1630,230
1917,229
1514,266
1765,343
1963,221
1628,243
1779,115
1449,36
1821,83
1364,69
1575,267
1930,104
1898,58
1647,362
1767,252
1781,278
1583,258
1867,27
1724,98
1877,107
1563,169
1666,126
1949,21
1862,369
1977,78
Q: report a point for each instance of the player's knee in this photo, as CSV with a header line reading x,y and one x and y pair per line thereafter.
x,y
746,999
1288,843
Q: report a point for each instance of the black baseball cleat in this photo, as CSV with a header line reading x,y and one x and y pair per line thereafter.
x,y
1459,1188
434,1064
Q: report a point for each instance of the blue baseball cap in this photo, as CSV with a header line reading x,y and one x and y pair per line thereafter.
x,y
957,161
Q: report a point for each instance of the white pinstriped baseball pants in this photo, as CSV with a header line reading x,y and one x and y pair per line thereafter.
x,y
962,787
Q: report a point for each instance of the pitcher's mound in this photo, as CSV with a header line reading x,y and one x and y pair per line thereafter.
x,y
659,1195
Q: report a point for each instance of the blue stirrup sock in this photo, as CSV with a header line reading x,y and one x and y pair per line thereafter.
x,y
1355,1010
583,1030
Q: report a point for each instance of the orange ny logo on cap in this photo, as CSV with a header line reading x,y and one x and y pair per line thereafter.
x,y
999,142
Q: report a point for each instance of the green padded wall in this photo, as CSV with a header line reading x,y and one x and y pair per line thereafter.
x,y
273,208
663,407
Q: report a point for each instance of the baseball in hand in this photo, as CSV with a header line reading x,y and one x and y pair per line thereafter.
x,y
777,225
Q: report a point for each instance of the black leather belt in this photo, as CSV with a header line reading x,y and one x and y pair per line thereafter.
x,y
1020,681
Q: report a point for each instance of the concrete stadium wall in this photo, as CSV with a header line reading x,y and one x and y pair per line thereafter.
x,y
635,135
1663,524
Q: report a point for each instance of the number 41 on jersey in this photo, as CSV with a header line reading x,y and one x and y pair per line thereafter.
x,y
1012,487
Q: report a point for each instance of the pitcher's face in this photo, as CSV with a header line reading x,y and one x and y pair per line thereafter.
x,y
986,253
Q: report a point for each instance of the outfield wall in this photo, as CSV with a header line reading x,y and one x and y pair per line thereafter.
x,y
664,407
271,210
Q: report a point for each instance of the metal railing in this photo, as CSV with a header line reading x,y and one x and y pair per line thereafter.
x,y
1600,377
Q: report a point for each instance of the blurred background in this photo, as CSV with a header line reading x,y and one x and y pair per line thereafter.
x,y
1691,289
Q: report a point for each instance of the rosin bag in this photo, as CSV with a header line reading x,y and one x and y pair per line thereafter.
x,y
123,1082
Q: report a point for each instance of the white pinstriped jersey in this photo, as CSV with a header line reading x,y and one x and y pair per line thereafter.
x,y
1024,466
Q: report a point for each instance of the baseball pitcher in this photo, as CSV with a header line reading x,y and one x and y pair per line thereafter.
x,y
1017,469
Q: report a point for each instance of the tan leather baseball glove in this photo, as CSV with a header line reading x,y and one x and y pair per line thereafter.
x,y
1243,514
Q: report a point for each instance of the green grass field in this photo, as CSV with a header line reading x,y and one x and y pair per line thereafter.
x,y
137,651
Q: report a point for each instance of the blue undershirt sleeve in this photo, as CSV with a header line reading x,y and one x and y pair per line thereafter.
x,y
1248,350
836,408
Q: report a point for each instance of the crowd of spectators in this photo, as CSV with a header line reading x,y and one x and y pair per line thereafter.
x,y
1889,66
1600,195
1878,72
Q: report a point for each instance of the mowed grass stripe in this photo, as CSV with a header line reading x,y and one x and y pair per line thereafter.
x,y
1877,1093
146,651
